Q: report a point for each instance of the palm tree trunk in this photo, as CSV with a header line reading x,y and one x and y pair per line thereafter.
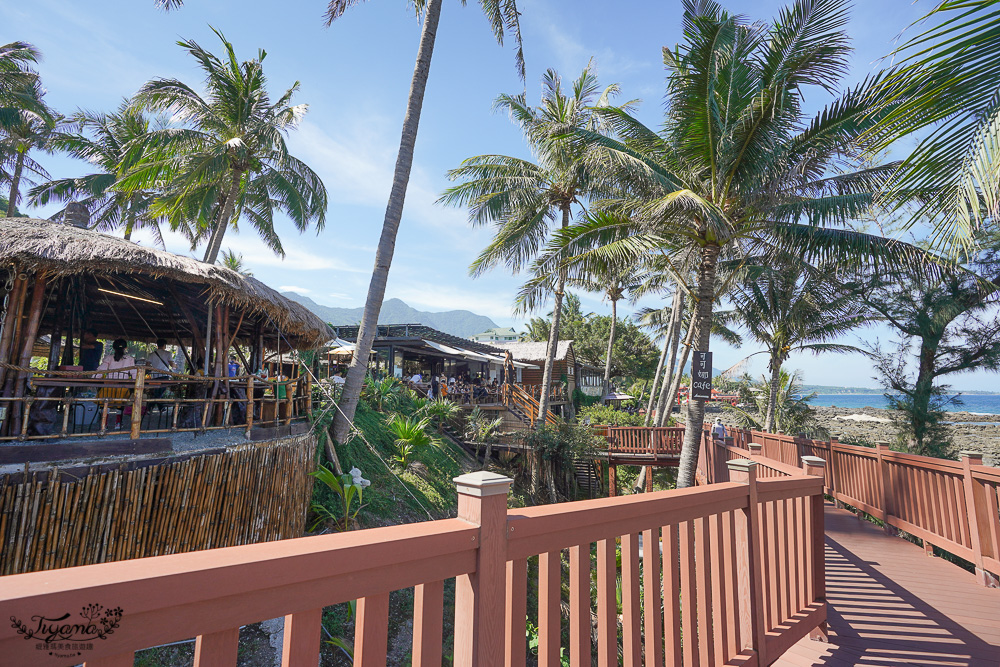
x,y
215,243
696,408
550,352
387,242
772,399
15,184
675,381
665,404
129,224
611,344
656,378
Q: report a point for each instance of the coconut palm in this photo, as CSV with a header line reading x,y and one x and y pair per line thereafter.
x,y
32,130
946,86
229,160
792,413
789,307
738,168
522,199
503,16
102,140
19,89
234,260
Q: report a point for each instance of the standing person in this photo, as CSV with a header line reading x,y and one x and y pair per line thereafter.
x,y
508,368
91,350
719,430
161,360
435,387
234,367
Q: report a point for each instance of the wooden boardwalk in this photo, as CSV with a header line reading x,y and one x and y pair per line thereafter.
x,y
891,604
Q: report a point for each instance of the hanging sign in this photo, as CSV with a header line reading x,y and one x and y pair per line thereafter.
x,y
701,376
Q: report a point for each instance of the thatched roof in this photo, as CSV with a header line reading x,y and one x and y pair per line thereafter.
x,y
63,250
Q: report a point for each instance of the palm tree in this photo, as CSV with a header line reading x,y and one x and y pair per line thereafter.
x,y
945,88
32,130
229,160
738,169
102,140
19,89
792,413
522,199
789,306
503,16
234,261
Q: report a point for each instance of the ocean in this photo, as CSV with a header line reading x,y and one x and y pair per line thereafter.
x,y
986,404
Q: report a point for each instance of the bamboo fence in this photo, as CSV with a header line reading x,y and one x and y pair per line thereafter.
x,y
251,493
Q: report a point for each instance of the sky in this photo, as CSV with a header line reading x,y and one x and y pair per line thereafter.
x,y
355,78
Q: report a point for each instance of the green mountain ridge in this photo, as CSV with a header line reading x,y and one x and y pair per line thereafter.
x,y
462,323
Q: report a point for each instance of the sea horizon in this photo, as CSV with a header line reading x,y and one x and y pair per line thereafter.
x,y
986,404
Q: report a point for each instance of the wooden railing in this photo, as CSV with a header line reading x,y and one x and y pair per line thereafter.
x,y
951,505
86,404
645,441
701,581
557,391
515,395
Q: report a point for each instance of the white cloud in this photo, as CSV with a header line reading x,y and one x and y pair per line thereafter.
x,y
435,297
294,288
339,296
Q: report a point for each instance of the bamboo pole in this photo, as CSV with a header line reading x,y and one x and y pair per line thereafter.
x,y
140,383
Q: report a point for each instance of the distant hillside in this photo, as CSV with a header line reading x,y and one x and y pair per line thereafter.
x,y
456,322
826,390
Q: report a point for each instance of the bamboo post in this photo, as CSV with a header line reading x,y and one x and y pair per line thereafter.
x,y
816,467
976,509
28,340
750,574
140,383
480,595
249,403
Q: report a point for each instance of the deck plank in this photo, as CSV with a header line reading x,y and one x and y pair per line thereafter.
x,y
890,604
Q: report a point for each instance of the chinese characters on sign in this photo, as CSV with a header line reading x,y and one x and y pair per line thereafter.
x,y
701,376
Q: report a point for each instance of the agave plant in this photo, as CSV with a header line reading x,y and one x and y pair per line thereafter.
x,y
411,436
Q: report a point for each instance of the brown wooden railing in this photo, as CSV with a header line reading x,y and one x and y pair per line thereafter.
x,y
952,505
87,404
515,395
645,441
707,576
557,391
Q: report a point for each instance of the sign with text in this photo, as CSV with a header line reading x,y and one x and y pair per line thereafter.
x,y
701,376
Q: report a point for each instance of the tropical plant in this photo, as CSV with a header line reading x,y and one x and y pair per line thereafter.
x,y
503,16
480,429
738,168
411,436
944,91
440,410
102,139
383,394
522,199
229,160
949,320
31,130
788,306
234,261
792,413
347,488
605,414
19,89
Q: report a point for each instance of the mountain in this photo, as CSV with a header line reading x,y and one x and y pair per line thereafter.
x,y
460,323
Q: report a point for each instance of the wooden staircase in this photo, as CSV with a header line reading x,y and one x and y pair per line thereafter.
x,y
588,477
524,406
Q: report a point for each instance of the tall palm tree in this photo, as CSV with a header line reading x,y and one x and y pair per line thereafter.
x,y
503,16
102,140
522,199
32,129
229,159
19,90
738,168
789,306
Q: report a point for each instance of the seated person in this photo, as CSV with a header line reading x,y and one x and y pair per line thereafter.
x,y
119,358
161,360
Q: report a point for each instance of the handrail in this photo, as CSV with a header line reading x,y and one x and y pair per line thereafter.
x,y
513,394
710,601
124,404
951,505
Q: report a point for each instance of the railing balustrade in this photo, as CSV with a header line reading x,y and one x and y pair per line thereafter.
x,y
73,404
707,576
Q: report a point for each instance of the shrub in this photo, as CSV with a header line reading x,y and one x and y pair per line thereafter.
x,y
605,414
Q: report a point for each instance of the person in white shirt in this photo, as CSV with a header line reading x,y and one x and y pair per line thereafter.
x,y
160,359
719,430
120,358
417,378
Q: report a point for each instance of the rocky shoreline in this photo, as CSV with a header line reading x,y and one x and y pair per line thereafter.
x,y
969,431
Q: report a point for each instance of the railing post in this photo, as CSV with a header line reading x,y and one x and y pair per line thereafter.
x,y
750,584
975,508
612,479
884,487
755,449
832,463
249,404
815,466
140,383
479,596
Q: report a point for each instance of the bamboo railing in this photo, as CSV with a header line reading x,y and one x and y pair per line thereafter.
x,y
154,402
71,517
951,505
695,583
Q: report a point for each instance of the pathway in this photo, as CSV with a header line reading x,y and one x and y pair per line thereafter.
x,y
891,604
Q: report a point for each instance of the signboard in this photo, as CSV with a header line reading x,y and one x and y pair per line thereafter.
x,y
701,376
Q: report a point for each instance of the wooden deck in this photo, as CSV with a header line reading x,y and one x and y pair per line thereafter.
x,y
891,604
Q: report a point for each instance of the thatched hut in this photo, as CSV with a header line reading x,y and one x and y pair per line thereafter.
x,y
62,280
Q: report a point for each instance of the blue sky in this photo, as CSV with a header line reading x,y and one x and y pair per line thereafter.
x,y
355,77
